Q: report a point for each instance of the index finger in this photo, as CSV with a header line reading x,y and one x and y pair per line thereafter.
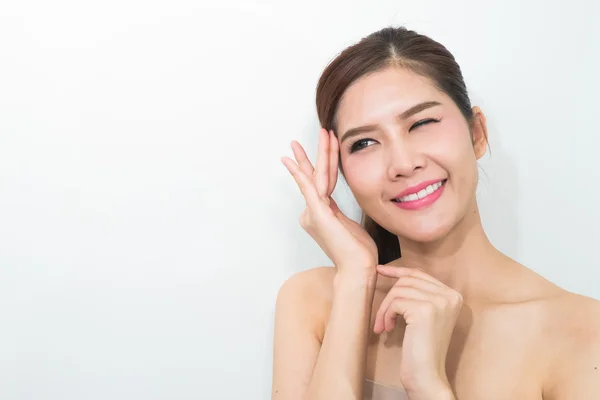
x,y
334,148
397,272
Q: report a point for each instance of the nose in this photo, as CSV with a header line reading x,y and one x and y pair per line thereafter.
x,y
403,160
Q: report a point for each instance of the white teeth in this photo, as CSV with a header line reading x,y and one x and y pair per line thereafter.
x,y
422,193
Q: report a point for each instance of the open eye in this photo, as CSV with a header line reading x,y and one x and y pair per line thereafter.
x,y
423,122
359,145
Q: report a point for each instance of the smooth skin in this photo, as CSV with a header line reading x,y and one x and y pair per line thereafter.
x,y
453,318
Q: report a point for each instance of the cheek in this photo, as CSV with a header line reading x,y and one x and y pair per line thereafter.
x,y
455,133
460,159
453,147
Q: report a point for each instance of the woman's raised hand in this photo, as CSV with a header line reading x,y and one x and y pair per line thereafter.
x,y
344,241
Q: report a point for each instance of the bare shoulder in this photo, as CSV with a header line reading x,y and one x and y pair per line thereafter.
x,y
576,319
308,294
312,284
574,334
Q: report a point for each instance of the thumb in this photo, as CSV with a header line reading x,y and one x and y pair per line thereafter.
x,y
339,214
334,206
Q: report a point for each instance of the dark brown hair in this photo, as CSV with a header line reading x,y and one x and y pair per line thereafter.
x,y
398,47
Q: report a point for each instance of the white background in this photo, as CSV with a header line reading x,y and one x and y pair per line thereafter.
x,y
146,222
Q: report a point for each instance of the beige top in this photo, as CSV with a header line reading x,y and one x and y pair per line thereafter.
x,y
377,391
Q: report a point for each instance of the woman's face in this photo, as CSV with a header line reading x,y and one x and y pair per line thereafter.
x,y
412,163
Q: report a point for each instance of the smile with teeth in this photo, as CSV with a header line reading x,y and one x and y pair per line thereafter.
x,y
421,194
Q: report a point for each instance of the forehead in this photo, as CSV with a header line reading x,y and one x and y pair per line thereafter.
x,y
383,95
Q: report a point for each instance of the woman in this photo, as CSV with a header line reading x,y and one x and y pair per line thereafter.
x,y
419,305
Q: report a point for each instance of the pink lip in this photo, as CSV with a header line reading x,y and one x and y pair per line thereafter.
x,y
420,203
417,188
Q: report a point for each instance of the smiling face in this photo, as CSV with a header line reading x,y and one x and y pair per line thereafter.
x,y
407,153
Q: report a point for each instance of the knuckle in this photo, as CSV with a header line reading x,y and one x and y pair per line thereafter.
x,y
389,313
385,305
458,298
455,298
457,301
427,309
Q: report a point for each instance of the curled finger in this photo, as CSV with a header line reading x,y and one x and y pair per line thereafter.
x,y
397,272
396,293
404,307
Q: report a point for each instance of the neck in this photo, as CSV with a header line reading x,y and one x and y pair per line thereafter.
x,y
462,259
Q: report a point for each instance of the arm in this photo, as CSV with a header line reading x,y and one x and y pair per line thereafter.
x,y
580,375
305,369
575,373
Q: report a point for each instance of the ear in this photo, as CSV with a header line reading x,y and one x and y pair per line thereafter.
x,y
479,132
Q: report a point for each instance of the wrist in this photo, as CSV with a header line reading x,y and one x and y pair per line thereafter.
x,y
355,279
439,393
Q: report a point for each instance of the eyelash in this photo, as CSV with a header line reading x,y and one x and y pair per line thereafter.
x,y
356,145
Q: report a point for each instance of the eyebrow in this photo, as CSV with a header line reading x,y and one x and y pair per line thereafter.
x,y
405,115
